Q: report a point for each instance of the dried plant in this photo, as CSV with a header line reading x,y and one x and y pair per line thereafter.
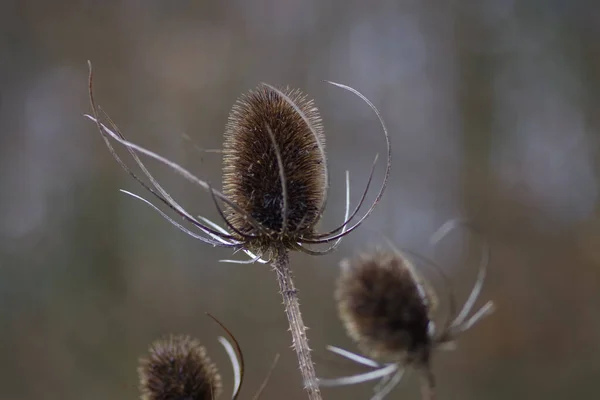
x,y
387,309
177,367
275,181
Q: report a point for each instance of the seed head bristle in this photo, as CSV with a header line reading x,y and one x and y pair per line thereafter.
x,y
178,368
382,309
261,125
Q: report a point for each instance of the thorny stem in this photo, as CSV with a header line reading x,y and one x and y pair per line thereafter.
x,y
292,310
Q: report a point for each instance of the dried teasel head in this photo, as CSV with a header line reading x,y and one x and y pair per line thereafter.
x,y
275,177
383,308
177,367
270,151
387,309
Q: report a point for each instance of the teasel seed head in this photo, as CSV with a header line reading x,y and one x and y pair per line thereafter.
x,y
178,367
275,177
387,308
382,308
268,145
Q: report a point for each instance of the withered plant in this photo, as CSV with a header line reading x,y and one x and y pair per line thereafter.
x,y
275,183
178,367
388,308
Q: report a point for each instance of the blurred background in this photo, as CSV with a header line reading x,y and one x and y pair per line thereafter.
x,y
493,112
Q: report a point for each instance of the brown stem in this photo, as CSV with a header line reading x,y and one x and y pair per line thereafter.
x,y
292,310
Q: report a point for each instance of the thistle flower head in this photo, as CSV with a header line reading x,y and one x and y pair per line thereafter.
x,y
178,367
383,308
386,308
275,177
274,167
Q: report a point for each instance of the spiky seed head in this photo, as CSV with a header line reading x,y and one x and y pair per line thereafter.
x,y
382,309
251,173
178,368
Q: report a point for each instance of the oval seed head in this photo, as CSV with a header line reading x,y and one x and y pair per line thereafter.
x,y
382,309
261,125
178,368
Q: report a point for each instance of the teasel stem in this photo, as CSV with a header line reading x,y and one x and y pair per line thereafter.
x,y
292,310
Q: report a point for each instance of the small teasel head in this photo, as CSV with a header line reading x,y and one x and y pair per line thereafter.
x,y
387,309
275,177
178,367
383,308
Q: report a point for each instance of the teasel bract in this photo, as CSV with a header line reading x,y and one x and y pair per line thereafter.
x,y
387,309
275,181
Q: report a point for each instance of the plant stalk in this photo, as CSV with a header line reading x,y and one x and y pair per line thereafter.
x,y
292,310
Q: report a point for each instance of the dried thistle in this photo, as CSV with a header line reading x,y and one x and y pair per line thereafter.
x,y
178,368
275,183
274,168
381,307
387,309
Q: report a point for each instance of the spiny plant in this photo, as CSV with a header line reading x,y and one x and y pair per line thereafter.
x,y
178,367
387,308
275,183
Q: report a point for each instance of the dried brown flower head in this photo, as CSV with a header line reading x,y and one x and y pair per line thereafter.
x,y
387,309
178,368
268,145
382,307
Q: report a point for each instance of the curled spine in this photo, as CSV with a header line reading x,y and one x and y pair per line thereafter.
x,y
397,340
236,357
234,352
